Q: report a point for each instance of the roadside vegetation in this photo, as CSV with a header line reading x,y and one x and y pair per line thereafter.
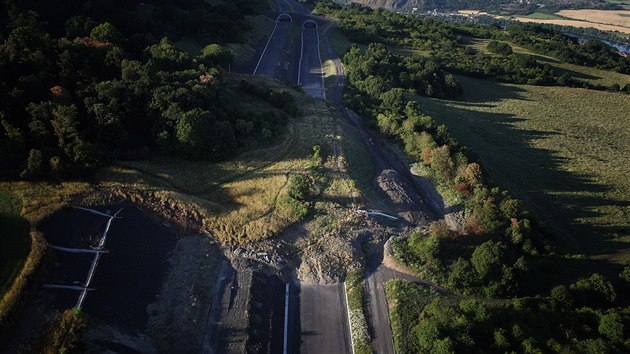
x,y
15,242
23,205
553,323
355,289
500,249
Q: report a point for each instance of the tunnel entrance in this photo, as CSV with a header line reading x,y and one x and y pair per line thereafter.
x,y
284,18
309,24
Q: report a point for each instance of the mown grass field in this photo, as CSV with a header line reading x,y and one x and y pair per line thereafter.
x,y
189,45
615,17
262,27
565,152
574,23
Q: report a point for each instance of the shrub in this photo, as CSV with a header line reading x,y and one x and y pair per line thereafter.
x,y
594,290
105,32
611,326
487,259
299,186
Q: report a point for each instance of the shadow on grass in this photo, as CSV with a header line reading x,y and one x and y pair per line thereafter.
x,y
561,200
15,245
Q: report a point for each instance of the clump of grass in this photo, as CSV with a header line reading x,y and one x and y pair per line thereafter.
x,y
64,336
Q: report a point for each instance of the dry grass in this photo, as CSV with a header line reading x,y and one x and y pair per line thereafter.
x,y
575,23
610,17
563,151
330,73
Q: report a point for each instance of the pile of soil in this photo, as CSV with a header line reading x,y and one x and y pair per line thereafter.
x,y
407,204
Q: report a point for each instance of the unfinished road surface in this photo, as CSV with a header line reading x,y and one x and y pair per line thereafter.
x,y
310,74
271,62
323,321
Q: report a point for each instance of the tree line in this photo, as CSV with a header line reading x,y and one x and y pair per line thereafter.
x,y
448,44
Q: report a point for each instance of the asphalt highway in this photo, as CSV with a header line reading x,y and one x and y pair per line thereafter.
x,y
310,76
272,59
323,321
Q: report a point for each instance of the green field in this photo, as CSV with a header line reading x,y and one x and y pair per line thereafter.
x,y
15,242
565,152
544,16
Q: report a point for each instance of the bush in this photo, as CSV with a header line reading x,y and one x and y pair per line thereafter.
x,y
105,32
595,290
488,258
299,187
611,326
499,48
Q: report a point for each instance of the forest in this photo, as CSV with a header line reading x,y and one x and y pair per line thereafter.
x,y
106,82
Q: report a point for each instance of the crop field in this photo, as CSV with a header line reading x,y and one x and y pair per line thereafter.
x,y
565,152
590,75
612,17
575,23
243,199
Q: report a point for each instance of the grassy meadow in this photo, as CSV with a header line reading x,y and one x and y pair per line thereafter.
x,y
565,152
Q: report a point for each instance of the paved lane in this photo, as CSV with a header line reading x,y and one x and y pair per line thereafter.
x,y
272,57
323,319
311,76
283,6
